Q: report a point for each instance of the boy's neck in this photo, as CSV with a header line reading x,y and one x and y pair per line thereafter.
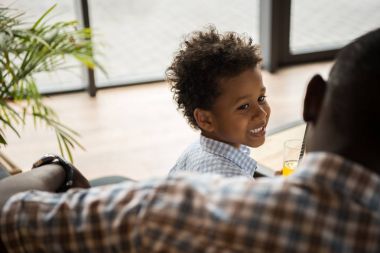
x,y
211,136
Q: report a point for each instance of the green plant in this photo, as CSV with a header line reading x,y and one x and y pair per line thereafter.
x,y
27,50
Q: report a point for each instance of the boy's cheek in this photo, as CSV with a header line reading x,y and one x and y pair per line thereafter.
x,y
267,111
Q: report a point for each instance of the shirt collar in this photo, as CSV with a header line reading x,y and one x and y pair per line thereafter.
x,y
335,172
240,157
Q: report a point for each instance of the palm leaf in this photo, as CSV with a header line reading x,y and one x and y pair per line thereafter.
x,y
27,51
43,16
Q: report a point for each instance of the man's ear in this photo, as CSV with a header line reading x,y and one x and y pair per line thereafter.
x,y
204,119
315,94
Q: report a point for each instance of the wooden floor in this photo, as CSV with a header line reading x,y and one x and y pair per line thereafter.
x,y
136,131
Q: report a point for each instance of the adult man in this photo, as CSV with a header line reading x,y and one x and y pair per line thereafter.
x,y
332,204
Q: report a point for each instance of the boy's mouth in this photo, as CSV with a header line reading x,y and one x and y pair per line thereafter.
x,y
258,131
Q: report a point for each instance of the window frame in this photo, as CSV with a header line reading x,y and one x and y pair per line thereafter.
x,y
274,21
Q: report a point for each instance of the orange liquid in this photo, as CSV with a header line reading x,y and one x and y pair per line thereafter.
x,y
289,167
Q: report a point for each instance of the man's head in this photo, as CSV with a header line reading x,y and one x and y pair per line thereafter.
x,y
344,113
209,74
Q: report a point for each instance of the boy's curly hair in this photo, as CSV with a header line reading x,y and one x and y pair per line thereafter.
x,y
203,60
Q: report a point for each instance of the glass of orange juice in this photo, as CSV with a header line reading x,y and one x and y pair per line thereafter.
x,y
292,149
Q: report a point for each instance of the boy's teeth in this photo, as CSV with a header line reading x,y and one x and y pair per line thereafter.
x,y
255,131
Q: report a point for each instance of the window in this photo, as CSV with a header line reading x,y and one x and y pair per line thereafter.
x,y
138,38
307,30
60,80
325,25
135,40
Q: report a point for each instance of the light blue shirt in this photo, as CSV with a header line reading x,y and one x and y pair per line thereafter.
x,y
211,156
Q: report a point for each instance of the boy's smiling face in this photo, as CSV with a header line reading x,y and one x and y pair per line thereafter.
x,y
241,113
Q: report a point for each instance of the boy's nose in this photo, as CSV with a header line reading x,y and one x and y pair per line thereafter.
x,y
259,111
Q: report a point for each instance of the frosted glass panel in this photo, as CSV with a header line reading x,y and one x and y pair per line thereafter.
x,y
138,38
318,25
59,80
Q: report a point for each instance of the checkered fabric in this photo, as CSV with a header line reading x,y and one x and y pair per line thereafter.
x,y
329,205
211,156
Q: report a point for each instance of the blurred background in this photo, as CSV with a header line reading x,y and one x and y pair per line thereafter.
x,y
136,39
135,130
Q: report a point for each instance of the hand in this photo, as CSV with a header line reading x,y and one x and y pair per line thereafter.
x,y
278,173
74,179
79,180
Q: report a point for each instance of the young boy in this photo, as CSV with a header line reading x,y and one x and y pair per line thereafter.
x,y
217,84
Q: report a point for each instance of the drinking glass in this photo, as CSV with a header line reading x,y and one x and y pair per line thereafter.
x,y
292,151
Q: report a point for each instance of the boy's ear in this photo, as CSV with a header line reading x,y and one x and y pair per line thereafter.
x,y
204,119
315,94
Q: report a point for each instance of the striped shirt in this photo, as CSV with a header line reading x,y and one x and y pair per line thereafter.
x,y
328,205
211,156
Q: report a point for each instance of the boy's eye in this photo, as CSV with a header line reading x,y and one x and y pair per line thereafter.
x,y
262,99
243,107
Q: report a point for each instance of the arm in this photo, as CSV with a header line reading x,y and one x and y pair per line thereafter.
x,y
48,178
127,217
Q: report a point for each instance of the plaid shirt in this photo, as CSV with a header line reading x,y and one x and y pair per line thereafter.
x,y
329,205
211,156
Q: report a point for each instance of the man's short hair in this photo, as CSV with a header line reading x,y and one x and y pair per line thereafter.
x,y
353,90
